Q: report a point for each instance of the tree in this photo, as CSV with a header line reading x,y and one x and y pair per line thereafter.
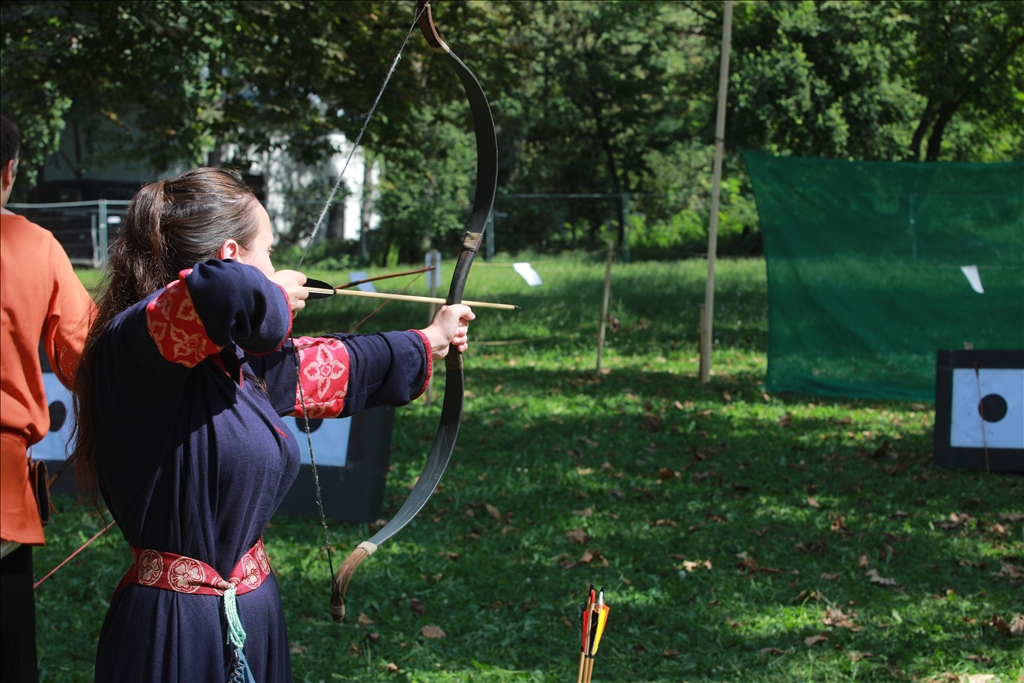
x,y
969,59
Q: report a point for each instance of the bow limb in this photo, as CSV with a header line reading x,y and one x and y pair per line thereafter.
x,y
451,409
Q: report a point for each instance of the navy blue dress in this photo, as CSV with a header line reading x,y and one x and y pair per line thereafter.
x,y
193,457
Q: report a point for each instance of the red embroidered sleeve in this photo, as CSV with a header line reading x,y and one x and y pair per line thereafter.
x,y
430,362
323,377
175,326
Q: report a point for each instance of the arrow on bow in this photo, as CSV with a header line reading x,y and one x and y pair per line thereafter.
x,y
451,410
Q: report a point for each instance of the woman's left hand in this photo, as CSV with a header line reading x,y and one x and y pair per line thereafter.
x,y
450,326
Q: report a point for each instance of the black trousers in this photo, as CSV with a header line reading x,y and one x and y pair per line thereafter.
x,y
18,661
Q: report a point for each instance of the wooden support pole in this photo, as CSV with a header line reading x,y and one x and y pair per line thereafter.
x,y
707,330
700,331
604,305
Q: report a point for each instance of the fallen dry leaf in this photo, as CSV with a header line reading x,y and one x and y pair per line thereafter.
x,y
786,420
639,648
616,493
1017,625
1010,570
591,555
1000,624
299,649
955,521
450,555
835,617
829,577
416,606
863,561
565,620
771,651
1012,517
813,503
839,526
667,473
670,653
666,522
577,535
856,656
874,578
364,620
355,649
978,678
814,640
690,565
565,562
433,632
492,511
585,512
392,668
899,514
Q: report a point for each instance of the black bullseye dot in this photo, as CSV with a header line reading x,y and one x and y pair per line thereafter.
x,y
58,413
314,424
992,408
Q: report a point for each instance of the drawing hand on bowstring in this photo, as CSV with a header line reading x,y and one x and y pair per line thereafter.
x,y
291,282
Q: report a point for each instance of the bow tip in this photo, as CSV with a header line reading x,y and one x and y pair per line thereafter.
x,y
337,608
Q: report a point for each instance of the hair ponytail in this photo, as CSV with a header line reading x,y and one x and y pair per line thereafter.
x,y
169,226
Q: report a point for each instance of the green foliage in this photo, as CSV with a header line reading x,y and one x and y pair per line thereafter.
x,y
588,97
781,495
425,189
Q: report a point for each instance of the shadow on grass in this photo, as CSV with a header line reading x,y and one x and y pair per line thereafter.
x,y
671,498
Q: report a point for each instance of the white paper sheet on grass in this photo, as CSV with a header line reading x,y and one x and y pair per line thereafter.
x,y
528,273
974,277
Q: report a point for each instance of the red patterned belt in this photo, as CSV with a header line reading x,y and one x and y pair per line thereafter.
x,y
185,575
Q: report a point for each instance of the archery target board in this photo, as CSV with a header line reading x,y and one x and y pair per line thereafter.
x,y
979,408
54,445
330,437
984,405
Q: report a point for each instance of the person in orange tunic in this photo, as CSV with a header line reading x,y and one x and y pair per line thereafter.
x,y
43,303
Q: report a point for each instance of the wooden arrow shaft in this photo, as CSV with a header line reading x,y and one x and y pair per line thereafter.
x,y
407,297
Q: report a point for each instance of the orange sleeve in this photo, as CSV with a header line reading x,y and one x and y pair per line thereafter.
x,y
71,314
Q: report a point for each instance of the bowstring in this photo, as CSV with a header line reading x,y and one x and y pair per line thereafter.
x,y
312,460
312,236
355,146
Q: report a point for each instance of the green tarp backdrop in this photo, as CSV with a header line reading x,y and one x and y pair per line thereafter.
x,y
865,279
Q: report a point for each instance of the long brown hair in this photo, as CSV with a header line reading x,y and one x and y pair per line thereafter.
x,y
169,226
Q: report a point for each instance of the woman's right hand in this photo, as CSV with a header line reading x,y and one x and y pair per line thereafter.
x,y
292,281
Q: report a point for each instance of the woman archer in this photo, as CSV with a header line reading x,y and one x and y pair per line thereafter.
x,y
184,379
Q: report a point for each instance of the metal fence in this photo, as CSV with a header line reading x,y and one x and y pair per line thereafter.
x,y
84,229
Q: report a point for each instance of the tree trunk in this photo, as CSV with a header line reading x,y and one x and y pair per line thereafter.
x,y
609,156
946,111
922,127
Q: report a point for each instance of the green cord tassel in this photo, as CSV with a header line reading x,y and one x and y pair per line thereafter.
x,y
236,634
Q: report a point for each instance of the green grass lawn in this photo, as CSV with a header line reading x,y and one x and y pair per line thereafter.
x,y
739,536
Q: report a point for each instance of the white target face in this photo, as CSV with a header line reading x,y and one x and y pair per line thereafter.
x,y
988,408
58,398
330,439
